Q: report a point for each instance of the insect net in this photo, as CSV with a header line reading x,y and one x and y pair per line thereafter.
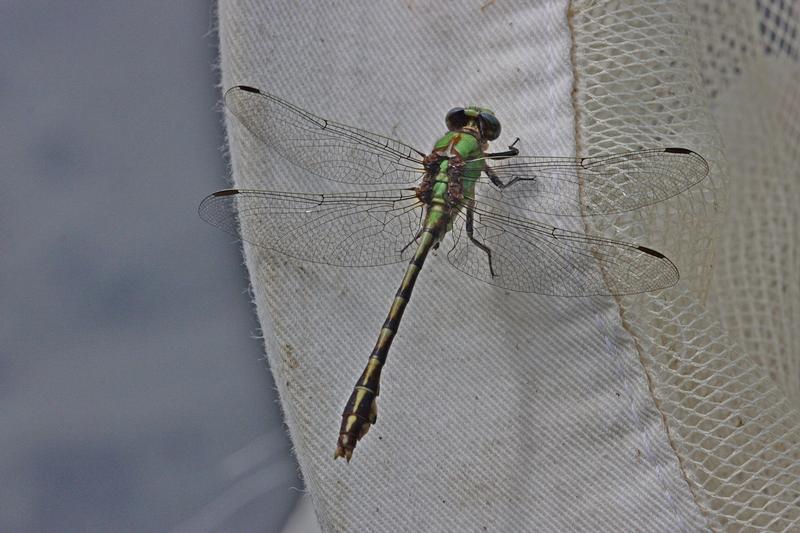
x,y
689,421
722,352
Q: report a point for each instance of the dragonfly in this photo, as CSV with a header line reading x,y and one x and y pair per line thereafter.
x,y
473,204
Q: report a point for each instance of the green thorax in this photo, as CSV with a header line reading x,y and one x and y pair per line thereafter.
x,y
468,147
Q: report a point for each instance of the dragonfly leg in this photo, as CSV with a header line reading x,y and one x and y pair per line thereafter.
x,y
496,179
501,155
511,152
470,234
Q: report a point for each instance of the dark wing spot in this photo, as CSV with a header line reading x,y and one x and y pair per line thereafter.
x,y
652,252
248,89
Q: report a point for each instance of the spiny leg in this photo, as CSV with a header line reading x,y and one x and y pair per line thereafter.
x,y
498,182
512,152
470,215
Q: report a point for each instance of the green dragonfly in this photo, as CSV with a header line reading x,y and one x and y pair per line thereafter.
x,y
459,197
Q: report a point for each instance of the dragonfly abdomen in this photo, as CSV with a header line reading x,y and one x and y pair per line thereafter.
x,y
361,410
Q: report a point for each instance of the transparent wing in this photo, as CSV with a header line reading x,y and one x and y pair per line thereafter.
x,y
322,147
532,257
592,185
349,229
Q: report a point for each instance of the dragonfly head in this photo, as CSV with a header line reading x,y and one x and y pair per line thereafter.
x,y
476,120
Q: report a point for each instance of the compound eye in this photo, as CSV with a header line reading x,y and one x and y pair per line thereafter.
x,y
456,119
489,125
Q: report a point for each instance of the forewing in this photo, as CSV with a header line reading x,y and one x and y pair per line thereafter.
x,y
322,147
592,185
532,257
349,229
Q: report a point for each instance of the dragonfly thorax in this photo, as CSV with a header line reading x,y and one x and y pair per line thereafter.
x,y
451,169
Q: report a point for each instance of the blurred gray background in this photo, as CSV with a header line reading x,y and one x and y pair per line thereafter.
x,y
133,393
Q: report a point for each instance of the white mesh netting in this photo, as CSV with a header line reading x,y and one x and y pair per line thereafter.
x,y
710,346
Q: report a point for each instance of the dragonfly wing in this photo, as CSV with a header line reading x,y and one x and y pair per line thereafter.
x,y
348,229
532,257
322,147
592,185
